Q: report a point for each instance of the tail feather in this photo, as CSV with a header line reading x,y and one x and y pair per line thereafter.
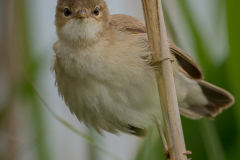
x,y
218,100
196,112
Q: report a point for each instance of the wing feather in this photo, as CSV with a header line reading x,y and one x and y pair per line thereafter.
x,y
186,62
132,25
218,98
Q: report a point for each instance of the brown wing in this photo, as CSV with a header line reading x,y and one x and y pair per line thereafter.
x,y
127,23
218,98
134,26
187,63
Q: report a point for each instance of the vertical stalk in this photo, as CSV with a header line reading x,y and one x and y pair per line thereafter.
x,y
158,38
10,79
21,31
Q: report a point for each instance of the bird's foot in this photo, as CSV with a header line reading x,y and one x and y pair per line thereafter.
x,y
164,142
167,153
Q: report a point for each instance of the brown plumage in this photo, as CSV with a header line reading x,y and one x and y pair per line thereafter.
x,y
103,73
218,98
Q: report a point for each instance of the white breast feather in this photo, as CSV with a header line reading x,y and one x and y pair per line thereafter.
x,y
107,88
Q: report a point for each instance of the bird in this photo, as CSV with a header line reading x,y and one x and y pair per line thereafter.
x,y
103,72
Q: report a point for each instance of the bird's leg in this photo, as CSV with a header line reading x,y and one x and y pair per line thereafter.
x,y
164,142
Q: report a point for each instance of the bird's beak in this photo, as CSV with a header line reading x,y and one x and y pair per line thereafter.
x,y
82,14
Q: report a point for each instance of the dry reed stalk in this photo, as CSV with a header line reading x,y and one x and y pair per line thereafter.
x,y
158,38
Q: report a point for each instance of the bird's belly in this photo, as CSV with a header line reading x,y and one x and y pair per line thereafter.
x,y
111,104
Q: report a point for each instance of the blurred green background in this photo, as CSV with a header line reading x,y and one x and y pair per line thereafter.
x,y
207,30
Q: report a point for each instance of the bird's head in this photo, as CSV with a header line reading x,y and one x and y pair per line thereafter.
x,y
78,20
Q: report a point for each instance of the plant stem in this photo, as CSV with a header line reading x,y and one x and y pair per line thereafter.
x,y
158,38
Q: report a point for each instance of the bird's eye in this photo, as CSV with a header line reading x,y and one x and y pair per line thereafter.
x,y
67,12
96,11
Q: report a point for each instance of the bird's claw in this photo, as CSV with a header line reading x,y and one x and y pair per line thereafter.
x,y
166,152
